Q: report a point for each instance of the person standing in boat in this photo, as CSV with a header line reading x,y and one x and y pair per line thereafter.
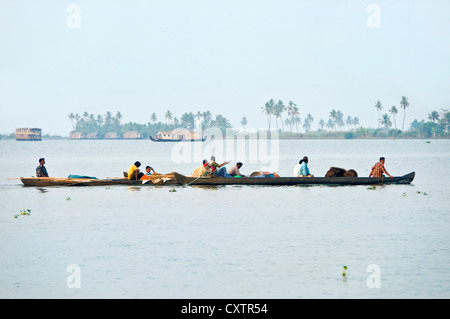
x,y
234,171
218,169
378,169
134,172
41,171
302,169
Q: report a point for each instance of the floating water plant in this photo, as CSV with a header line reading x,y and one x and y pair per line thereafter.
x,y
344,271
172,190
68,198
371,187
404,194
23,212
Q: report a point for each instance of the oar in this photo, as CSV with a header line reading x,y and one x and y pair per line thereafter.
x,y
197,178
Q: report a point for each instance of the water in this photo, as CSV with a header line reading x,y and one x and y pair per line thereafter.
x,y
230,241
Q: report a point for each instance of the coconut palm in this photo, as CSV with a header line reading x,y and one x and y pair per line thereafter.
x,y
168,115
280,108
330,124
297,121
321,124
393,110
207,117
72,117
433,116
340,119
153,118
379,107
404,104
244,122
355,121
349,121
333,118
119,116
268,110
386,120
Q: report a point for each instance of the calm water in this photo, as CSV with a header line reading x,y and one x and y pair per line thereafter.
x,y
225,242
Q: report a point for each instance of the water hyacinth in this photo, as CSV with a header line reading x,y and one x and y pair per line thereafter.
x,y
23,212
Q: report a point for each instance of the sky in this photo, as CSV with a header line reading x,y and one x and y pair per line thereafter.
x,y
228,57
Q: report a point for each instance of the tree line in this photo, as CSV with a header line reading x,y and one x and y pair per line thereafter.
x,y
109,123
438,124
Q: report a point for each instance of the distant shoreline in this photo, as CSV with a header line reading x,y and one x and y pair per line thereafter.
x,y
7,138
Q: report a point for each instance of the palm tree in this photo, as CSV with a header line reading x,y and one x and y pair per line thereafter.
x,y
297,121
386,121
244,122
72,117
340,119
288,122
119,116
330,123
404,104
280,109
393,110
310,119
333,118
433,116
207,117
222,123
379,107
168,116
292,109
153,118
268,110
355,121
321,124
349,121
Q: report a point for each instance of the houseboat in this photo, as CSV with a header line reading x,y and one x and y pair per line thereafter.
x,y
178,135
28,134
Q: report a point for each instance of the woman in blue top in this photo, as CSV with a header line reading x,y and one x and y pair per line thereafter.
x,y
303,170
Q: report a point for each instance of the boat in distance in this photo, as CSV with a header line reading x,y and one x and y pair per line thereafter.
x,y
180,180
157,139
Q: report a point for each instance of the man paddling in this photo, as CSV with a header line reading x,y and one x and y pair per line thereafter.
x,y
378,169
41,171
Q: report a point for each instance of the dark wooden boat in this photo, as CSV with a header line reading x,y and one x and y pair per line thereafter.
x,y
285,181
179,179
156,139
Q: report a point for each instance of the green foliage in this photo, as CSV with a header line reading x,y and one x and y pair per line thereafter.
x,y
89,123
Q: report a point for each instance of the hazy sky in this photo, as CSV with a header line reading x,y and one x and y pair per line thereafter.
x,y
229,57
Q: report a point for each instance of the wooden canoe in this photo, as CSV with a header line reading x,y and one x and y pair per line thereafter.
x,y
285,181
179,179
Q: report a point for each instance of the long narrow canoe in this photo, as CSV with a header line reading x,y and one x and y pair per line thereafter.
x,y
178,179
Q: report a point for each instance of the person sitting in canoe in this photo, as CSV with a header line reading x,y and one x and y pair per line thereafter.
x,y
218,170
302,169
41,171
202,170
134,172
148,172
378,169
234,171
